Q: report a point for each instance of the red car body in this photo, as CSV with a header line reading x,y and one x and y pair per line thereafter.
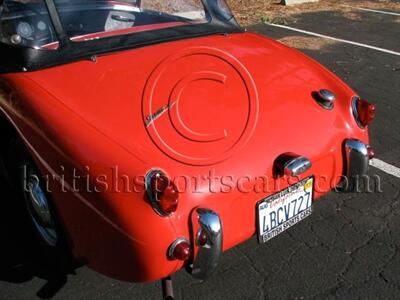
x,y
93,116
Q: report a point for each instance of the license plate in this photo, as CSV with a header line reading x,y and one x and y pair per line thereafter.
x,y
281,211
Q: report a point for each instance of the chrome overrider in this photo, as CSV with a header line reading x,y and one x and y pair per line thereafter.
x,y
356,165
208,253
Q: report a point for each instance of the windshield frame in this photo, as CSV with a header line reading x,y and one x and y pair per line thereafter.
x,y
30,59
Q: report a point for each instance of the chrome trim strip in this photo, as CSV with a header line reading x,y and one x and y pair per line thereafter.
x,y
209,254
356,164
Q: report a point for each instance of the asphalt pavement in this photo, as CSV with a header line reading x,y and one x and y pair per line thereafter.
x,y
348,248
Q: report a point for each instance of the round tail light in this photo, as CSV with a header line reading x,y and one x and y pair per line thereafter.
x,y
162,193
180,250
364,112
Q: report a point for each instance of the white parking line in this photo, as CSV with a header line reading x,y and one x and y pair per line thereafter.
x,y
335,39
385,167
375,11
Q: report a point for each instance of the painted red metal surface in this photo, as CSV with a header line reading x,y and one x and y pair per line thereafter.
x,y
245,98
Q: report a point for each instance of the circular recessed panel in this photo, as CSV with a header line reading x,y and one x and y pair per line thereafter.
x,y
200,105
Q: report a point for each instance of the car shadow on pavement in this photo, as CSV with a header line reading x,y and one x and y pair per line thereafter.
x,y
19,262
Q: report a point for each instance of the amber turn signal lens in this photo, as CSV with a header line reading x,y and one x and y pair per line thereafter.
x,y
182,251
366,112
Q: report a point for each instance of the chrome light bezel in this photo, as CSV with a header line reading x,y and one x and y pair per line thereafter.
x,y
150,193
173,246
354,101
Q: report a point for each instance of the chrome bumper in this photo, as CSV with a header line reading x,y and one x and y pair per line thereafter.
x,y
356,165
206,255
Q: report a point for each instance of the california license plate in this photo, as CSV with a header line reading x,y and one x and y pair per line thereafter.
x,y
281,211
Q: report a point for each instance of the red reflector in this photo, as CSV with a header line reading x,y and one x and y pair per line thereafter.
x,y
182,251
366,112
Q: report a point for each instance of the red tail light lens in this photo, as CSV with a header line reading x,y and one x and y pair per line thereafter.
x,y
180,250
162,193
168,200
364,112
159,182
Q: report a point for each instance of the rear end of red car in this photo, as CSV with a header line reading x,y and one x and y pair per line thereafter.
x,y
310,137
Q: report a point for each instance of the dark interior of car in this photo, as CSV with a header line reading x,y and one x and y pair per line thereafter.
x,y
30,25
